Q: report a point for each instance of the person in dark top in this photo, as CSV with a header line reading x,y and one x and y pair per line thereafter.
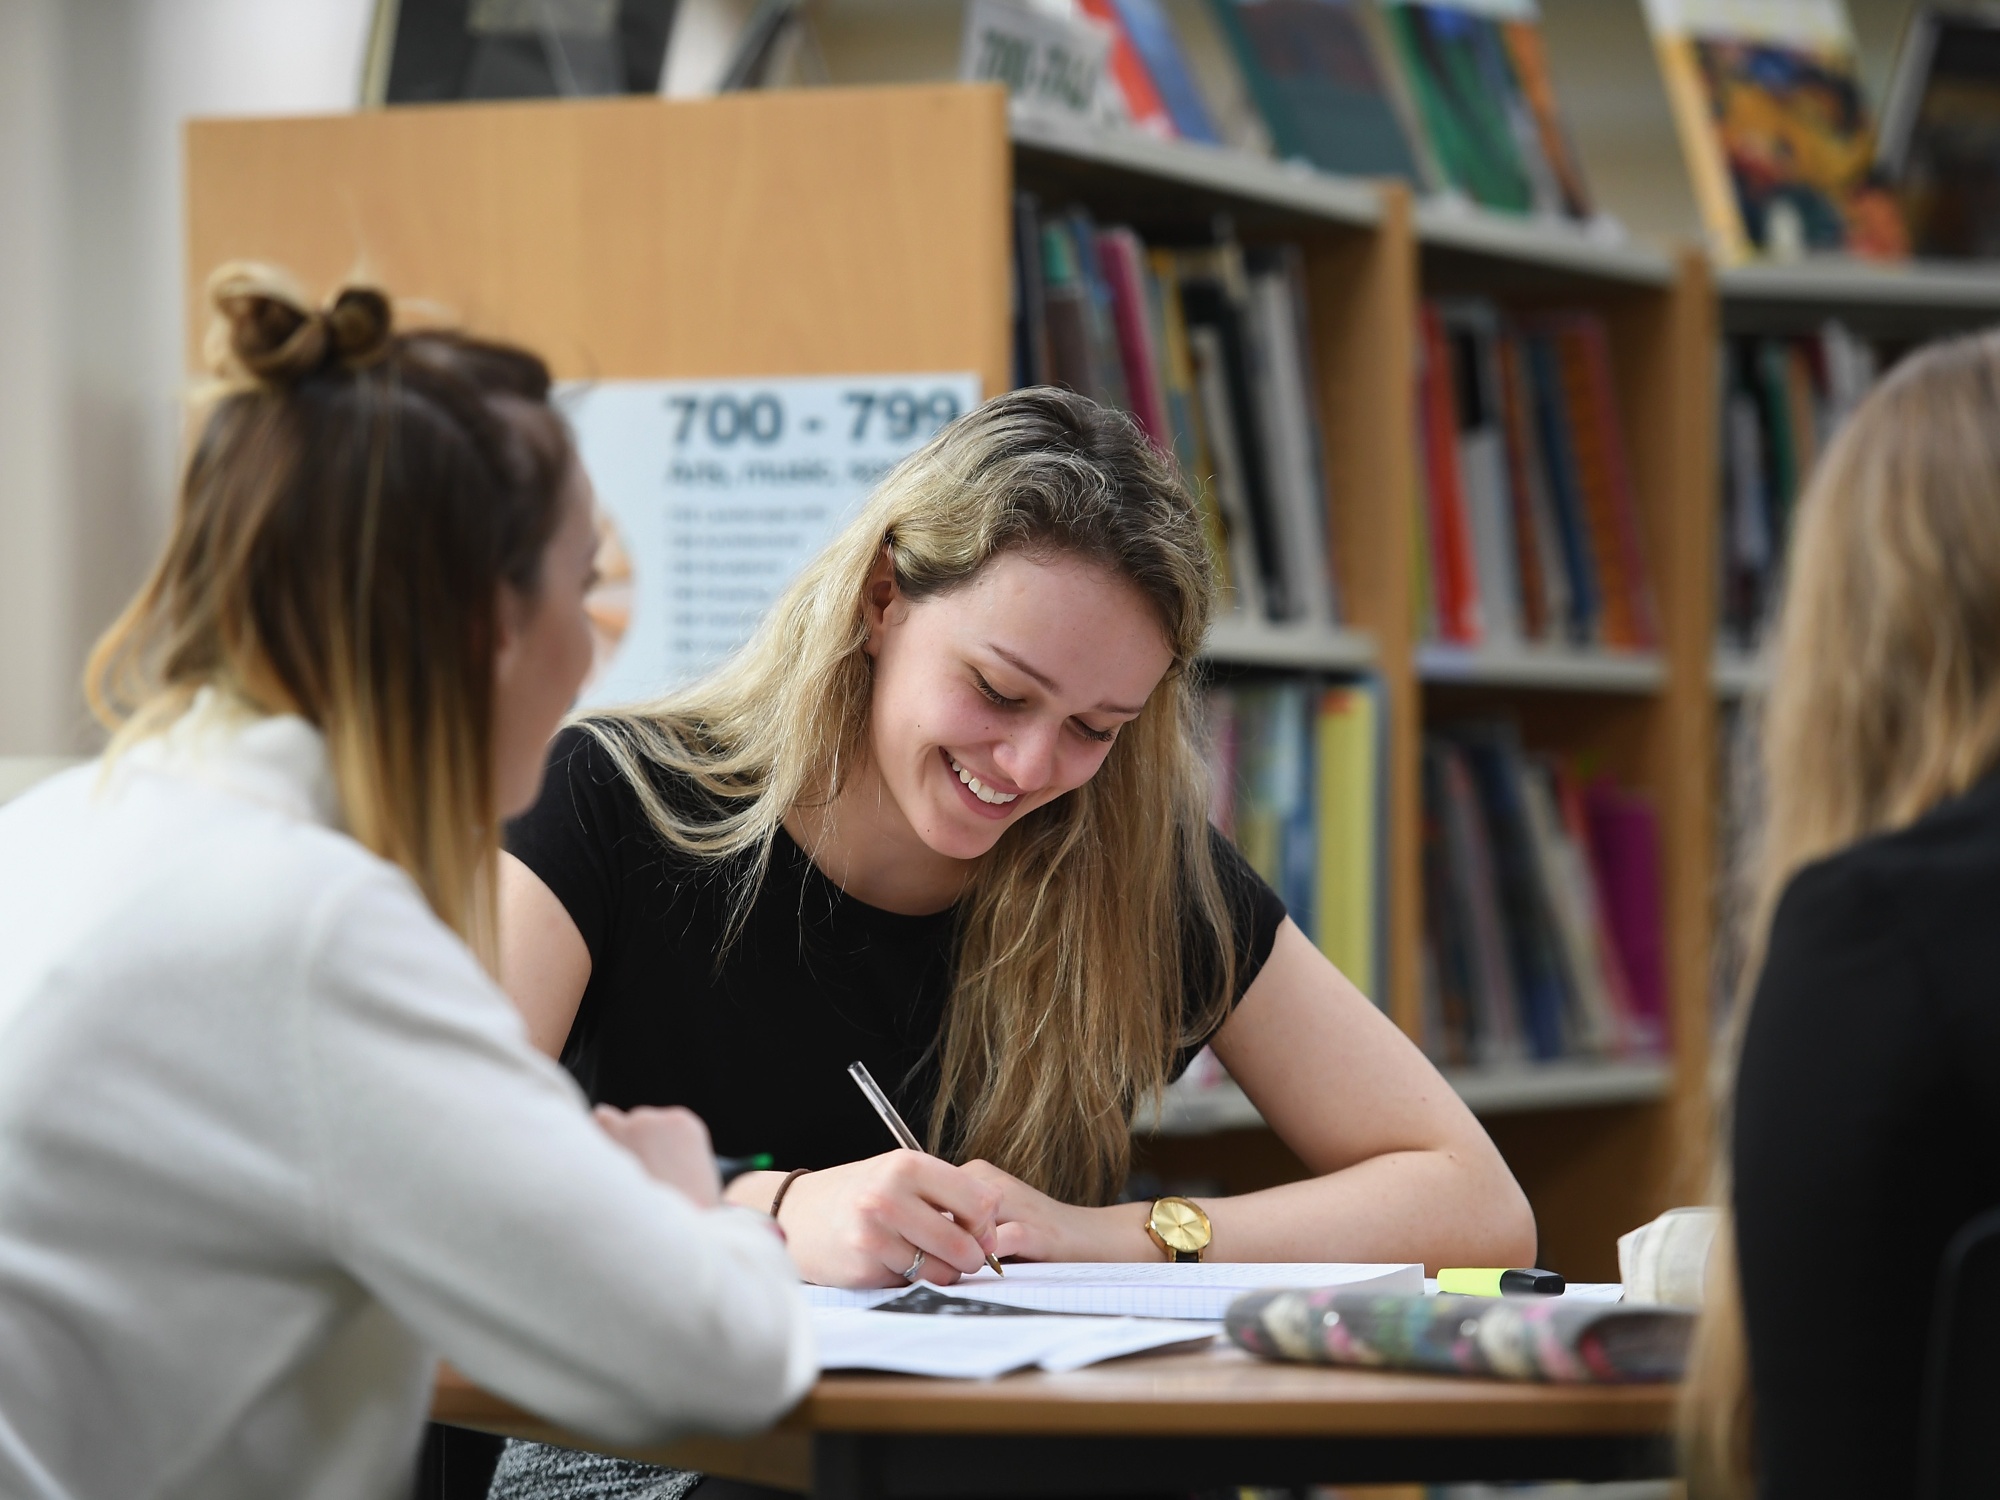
x,y
946,814
1866,1125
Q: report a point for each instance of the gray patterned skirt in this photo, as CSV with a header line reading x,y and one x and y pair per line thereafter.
x,y
535,1471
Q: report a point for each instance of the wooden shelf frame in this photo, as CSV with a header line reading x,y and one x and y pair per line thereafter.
x,y
641,238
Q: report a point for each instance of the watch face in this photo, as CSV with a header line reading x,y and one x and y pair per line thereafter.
x,y
1180,1224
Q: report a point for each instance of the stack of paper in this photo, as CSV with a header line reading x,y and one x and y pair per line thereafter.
x,y
851,1338
1143,1289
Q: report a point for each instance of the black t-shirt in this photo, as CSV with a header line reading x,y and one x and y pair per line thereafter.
x,y
1867,1132
758,1042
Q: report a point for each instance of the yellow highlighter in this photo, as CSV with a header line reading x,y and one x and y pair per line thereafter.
x,y
1483,1282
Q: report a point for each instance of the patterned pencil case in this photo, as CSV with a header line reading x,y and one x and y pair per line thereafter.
x,y
1513,1338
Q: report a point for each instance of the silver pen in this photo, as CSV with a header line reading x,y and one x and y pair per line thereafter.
x,y
905,1137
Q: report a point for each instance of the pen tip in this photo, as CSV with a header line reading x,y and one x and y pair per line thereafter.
x,y
994,1262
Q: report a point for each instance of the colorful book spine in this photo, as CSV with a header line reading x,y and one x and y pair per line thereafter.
x,y
1625,852
1123,260
1136,89
1604,482
1542,914
1537,608
1151,35
1295,774
1557,443
1210,351
1349,832
1454,576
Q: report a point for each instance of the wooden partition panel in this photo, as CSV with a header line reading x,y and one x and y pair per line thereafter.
x,y
828,231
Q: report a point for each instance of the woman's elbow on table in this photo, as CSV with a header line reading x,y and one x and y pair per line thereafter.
x,y
1498,1224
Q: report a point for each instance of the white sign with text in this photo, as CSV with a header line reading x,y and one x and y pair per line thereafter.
x,y
717,492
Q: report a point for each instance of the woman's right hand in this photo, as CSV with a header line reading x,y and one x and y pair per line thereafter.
x,y
862,1224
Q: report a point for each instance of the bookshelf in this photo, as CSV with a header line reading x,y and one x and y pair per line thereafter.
x,y
1543,251
640,238
1920,297
1738,673
1240,643
1574,669
1487,1092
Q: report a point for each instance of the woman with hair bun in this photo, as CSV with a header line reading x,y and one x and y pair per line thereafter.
x,y
946,814
271,1141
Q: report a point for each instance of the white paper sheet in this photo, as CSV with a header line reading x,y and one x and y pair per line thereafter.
x,y
1146,1289
982,1348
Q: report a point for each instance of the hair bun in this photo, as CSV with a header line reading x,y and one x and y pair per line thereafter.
x,y
265,330
360,325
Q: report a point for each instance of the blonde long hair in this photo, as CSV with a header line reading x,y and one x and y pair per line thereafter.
x,y
1082,928
1884,702
354,501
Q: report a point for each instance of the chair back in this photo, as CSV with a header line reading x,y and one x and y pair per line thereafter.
x,y
1959,1443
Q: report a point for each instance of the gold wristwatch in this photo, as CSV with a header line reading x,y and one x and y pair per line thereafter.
x,y
1179,1228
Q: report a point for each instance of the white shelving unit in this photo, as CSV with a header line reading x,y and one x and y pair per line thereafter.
x,y
1846,283
1543,241
1574,1083
1738,674
1289,187
1247,643
1563,668
1445,224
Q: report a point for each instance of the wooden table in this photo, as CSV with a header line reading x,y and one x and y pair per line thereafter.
x,y
1158,1424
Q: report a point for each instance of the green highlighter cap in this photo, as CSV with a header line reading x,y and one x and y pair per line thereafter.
x,y
1495,1282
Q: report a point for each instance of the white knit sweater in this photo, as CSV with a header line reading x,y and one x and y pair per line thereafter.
x,y
271,1141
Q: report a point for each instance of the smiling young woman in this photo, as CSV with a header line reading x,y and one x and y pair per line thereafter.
x,y
947,814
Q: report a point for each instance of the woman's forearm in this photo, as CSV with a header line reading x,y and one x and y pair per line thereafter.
x,y
1437,1207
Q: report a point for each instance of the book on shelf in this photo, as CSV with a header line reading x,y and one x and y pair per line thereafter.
x,y
1529,526
1473,115
1147,49
1326,92
1296,777
1209,351
1479,79
1212,67
1940,136
1778,137
423,51
1132,77
1542,919
1783,398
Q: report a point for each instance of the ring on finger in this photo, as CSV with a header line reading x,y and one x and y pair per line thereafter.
x,y
915,1266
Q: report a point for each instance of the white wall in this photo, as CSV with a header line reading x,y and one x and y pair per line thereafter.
x,y
93,94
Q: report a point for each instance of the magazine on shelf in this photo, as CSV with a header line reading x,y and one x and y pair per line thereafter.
x,y
1212,66
1940,136
1778,138
1325,92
